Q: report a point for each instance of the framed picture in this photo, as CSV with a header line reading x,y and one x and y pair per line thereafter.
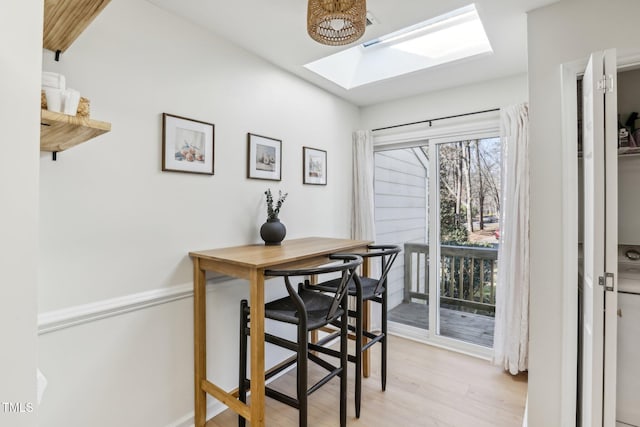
x,y
314,166
187,145
264,157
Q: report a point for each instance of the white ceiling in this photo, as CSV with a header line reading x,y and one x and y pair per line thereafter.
x,y
276,31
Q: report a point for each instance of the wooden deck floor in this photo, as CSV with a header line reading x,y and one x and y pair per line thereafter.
x,y
468,327
427,387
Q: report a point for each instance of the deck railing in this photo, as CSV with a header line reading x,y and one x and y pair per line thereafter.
x,y
468,275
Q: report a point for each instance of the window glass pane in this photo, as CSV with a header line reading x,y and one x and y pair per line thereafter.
x,y
469,214
401,200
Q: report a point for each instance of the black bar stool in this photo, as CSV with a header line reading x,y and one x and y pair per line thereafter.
x,y
367,289
309,309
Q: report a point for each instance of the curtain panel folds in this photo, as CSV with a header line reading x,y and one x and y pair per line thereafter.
x,y
363,210
511,335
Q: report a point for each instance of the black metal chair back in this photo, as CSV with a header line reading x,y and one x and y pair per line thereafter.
x,y
388,254
348,269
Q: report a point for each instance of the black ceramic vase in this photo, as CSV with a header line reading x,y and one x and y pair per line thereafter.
x,y
273,232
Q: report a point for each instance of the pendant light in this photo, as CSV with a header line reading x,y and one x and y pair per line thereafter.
x,y
336,22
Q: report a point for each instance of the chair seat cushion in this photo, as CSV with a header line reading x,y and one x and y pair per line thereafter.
x,y
316,303
368,287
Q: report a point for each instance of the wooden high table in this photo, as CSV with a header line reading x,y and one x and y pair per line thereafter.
x,y
249,262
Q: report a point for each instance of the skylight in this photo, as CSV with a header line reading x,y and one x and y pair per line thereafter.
x,y
450,37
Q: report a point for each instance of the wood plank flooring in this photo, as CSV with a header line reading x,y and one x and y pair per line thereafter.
x,y
468,327
426,387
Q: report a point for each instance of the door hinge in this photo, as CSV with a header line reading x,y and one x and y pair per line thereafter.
x,y
605,83
606,281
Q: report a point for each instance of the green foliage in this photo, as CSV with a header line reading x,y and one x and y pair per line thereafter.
x,y
452,230
272,213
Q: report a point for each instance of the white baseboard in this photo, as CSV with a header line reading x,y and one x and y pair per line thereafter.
x,y
77,315
213,409
216,408
56,320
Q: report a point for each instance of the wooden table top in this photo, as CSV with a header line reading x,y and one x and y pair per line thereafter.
x,y
261,256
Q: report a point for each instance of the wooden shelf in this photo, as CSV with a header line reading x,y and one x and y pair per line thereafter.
x,y
622,152
59,132
628,151
65,20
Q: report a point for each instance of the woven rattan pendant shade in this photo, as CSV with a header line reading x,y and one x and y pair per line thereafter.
x,y
336,22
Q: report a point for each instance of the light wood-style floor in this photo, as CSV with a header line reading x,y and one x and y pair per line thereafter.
x,y
427,386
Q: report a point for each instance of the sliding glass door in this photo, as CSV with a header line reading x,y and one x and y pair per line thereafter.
x,y
402,212
443,288
468,214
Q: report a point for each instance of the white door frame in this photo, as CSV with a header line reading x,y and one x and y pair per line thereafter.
x,y
569,76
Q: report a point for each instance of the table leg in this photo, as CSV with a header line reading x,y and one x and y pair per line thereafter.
x,y
313,335
257,348
366,323
200,343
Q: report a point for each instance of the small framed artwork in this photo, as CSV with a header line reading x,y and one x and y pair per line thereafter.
x,y
264,157
314,166
187,145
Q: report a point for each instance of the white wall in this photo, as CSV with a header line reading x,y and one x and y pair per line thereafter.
x,y
459,100
628,93
628,200
112,225
20,42
558,34
628,166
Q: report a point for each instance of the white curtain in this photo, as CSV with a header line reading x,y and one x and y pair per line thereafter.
x,y
362,215
363,226
511,335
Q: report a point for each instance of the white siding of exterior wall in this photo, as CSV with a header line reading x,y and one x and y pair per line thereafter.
x,y
401,207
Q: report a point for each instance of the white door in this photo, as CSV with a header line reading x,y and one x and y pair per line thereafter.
x,y
600,240
611,238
